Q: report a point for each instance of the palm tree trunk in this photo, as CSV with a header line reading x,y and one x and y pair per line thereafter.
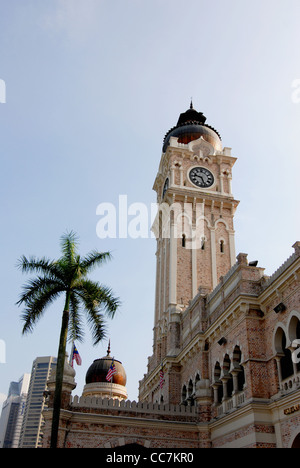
x,y
59,373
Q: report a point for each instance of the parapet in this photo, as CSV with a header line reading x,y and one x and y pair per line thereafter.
x,y
132,406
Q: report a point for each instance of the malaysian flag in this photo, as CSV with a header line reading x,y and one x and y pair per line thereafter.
x,y
111,371
161,378
76,356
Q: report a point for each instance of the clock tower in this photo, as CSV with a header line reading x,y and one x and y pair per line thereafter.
x,y
194,225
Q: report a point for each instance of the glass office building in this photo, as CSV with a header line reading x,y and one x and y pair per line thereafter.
x,y
13,412
31,433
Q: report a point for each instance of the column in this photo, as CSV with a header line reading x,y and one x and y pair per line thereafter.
x,y
221,183
195,242
232,248
157,286
173,264
213,258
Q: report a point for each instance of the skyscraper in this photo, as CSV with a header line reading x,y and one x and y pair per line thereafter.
x,y
31,432
13,413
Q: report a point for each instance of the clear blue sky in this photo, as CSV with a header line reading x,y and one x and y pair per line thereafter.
x,y
92,88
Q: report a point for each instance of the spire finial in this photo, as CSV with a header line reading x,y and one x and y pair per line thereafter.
x,y
108,349
191,105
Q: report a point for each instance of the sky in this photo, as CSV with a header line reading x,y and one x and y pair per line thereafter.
x,y
91,88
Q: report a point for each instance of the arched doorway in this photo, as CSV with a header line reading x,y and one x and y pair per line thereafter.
x,y
296,443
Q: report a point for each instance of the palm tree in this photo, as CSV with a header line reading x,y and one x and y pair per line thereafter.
x,y
67,276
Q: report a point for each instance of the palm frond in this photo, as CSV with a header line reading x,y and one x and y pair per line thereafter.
x,y
96,295
96,299
97,325
69,243
108,302
95,318
94,259
39,265
36,306
34,287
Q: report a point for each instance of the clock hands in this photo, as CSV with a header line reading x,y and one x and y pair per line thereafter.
x,y
197,176
201,177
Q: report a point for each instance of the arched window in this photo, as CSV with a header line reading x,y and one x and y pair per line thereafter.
x,y
221,246
226,373
284,354
286,363
237,356
294,334
296,443
217,372
294,328
218,383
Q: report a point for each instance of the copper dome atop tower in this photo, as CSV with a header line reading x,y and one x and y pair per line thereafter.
x,y
191,126
97,372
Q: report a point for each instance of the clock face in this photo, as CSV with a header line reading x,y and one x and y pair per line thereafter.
x,y
166,186
201,177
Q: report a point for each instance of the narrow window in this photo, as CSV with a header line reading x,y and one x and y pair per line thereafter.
x,y
203,243
183,240
221,246
287,368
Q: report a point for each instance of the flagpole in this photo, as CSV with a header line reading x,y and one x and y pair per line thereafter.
x,y
113,360
71,354
111,371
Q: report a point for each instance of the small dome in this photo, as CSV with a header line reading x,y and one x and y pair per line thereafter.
x,y
191,126
97,372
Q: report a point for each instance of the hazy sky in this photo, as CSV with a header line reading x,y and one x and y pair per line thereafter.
x,y
92,86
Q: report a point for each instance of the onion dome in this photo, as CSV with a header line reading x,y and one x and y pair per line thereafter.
x,y
96,378
191,126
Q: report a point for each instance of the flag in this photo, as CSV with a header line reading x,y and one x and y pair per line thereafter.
x,y
76,356
161,378
111,371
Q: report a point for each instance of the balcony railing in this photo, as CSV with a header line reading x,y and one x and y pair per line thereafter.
x,y
231,404
290,384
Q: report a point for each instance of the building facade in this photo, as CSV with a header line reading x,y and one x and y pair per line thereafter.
x,y
13,412
32,424
225,366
